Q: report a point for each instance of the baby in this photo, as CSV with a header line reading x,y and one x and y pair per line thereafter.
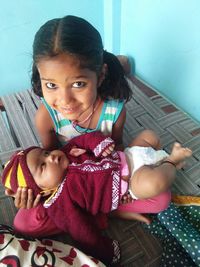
x,y
87,177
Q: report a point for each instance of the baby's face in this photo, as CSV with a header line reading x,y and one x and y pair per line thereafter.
x,y
47,167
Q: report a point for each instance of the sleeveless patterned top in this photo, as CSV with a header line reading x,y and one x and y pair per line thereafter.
x,y
65,131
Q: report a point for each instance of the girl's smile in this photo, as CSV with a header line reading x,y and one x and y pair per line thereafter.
x,y
68,88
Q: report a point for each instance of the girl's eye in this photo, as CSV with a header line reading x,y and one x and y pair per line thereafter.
x,y
79,84
51,85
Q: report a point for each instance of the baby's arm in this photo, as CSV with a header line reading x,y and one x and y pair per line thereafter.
x,y
95,142
75,151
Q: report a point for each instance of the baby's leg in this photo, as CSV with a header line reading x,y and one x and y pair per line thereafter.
x,y
154,205
147,138
178,155
149,181
131,216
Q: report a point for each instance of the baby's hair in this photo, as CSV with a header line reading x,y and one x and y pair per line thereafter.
x,y
76,37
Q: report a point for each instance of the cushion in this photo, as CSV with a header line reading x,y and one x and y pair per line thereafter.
x,y
18,251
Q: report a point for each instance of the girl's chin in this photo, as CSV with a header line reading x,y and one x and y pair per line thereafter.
x,y
69,116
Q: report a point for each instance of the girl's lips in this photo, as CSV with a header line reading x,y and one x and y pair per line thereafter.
x,y
67,110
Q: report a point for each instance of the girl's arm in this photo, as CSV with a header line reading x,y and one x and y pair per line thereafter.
x,y
82,228
45,128
117,131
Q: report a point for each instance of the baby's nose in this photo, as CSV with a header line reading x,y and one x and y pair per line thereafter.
x,y
53,158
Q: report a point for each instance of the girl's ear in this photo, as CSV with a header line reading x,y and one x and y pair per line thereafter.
x,y
102,74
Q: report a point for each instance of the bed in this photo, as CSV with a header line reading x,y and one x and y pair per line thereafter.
x,y
140,245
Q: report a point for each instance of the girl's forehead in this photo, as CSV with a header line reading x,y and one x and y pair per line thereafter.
x,y
63,67
60,59
61,64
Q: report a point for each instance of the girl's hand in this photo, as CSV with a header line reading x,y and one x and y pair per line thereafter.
x,y
24,198
9,192
108,150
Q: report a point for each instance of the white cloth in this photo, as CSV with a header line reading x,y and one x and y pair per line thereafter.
x,y
139,156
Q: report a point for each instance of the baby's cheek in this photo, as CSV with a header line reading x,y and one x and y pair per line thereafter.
x,y
60,176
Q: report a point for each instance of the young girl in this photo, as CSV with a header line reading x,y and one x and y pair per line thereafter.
x,y
87,177
83,89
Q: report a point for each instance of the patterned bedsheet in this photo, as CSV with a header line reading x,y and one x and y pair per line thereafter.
x,y
20,252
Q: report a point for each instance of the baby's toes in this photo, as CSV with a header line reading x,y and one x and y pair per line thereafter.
x,y
188,152
177,145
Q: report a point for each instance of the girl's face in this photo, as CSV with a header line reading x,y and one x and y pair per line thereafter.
x,y
47,168
66,87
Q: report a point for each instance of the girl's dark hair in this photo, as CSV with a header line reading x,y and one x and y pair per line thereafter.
x,y
76,36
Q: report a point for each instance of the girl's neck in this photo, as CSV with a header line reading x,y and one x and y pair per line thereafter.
x,y
87,120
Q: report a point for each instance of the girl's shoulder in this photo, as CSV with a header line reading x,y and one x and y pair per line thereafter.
x,y
112,101
50,110
112,107
57,118
42,117
110,113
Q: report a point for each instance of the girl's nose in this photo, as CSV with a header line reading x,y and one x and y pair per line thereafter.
x,y
65,96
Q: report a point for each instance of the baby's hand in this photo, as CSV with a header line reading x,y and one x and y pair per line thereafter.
x,y
108,150
126,199
75,151
24,198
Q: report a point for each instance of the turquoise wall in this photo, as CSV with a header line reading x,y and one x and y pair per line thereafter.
x,y
163,37
19,22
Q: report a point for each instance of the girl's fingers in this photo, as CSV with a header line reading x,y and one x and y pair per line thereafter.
x,y
9,192
24,198
29,201
18,198
37,200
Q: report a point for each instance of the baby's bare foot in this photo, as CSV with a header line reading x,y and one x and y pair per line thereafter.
x,y
179,154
